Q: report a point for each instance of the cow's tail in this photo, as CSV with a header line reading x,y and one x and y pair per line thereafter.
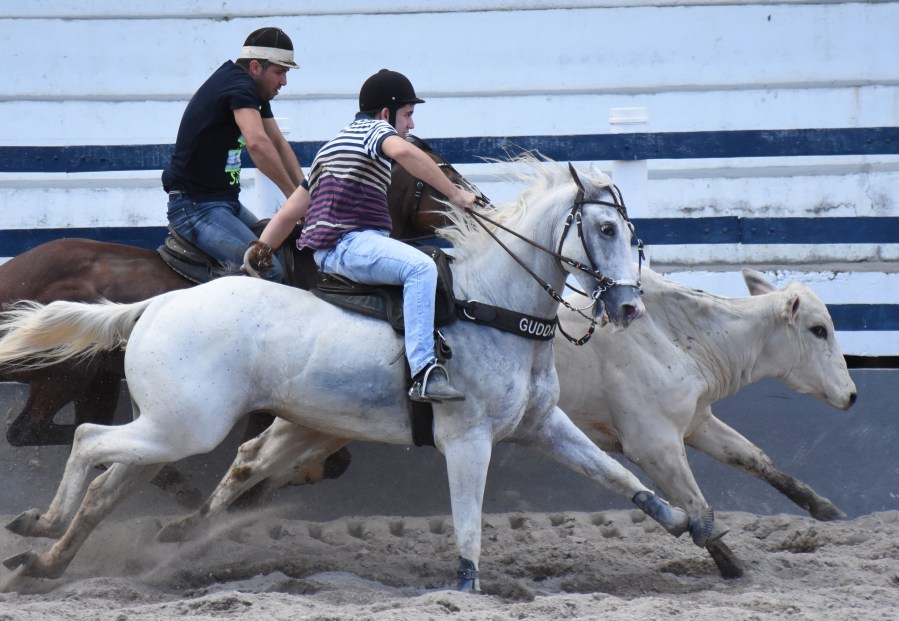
x,y
35,335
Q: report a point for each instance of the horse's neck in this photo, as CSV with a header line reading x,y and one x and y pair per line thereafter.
x,y
725,336
492,276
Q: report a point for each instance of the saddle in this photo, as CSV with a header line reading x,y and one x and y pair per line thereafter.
x,y
378,301
386,301
198,267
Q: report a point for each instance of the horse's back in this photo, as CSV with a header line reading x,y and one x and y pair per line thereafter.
x,y
236,345
75,269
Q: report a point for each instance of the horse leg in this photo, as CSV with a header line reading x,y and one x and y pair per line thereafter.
x,y
142,441
53,522
557,437
103,495
283,452
312,471
467,460
34,425
99,401
718,440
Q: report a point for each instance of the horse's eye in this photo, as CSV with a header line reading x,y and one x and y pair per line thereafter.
x,y
607,229
819,331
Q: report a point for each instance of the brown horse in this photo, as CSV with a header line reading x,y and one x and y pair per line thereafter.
x,y
85,270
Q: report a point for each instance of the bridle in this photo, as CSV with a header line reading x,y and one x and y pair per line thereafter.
x,y
573,220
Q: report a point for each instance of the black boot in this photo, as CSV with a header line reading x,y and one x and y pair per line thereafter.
x,y
431,385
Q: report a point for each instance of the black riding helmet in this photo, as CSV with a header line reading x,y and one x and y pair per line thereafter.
x,y
387,89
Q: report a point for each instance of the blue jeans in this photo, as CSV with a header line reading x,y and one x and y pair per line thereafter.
x,y
221,229
373,258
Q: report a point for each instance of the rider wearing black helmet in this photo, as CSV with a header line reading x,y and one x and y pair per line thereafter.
x,y
386,89
348,224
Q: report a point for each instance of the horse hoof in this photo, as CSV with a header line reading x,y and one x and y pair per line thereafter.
x,y
468,577
25,559
336,463
24,523
702,528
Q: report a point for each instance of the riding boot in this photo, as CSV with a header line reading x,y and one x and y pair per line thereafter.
x,y
431,385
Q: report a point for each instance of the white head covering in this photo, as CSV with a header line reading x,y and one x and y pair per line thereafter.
x,y
272,54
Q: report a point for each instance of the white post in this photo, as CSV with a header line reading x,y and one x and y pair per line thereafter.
x,y
631,176
269,197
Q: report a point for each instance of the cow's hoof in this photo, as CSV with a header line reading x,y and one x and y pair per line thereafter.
x,y
728,564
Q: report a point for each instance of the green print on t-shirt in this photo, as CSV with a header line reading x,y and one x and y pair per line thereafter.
x,y
232,165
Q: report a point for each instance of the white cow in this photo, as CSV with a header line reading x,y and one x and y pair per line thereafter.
x,y
651,393
654,385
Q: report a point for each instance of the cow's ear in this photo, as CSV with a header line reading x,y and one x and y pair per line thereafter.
x,y
791,308
756,282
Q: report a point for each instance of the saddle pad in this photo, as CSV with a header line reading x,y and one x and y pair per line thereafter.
x,y
386,301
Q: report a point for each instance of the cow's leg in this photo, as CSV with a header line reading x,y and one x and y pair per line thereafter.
x,y
103,495
658,449
717,440
284,452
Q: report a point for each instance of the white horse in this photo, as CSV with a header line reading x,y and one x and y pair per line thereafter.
x,y
200,359
652,387
646,392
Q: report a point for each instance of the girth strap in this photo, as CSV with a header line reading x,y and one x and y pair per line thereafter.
x,y
520,324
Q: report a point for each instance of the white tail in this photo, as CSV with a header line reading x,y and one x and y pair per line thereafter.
x,y
37,335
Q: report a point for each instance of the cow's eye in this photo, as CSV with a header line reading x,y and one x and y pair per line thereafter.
x,y
819,331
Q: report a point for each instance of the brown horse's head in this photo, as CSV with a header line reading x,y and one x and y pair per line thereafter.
x,y
415,207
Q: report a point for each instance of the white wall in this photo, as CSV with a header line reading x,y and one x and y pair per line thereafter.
x,y
98,72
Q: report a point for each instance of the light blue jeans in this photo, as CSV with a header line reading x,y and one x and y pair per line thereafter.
x,y
373,258
221,229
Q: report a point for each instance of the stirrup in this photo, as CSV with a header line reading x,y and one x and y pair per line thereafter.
x,y
419,389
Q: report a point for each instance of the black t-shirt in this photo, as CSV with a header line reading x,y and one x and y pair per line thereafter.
x,y
206,161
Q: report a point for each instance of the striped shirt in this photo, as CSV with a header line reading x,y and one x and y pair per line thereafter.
x,y
348,182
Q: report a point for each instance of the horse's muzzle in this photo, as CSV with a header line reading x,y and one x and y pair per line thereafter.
x,y
622,305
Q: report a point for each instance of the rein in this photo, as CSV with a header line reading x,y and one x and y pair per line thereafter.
x,y
603,282
575,217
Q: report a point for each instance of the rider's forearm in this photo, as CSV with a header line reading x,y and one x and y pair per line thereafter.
x,y
267,159
283,222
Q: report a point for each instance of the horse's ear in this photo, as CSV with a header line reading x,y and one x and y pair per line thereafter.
x,y
577,180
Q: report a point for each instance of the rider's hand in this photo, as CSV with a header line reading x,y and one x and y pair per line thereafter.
x,y
258,258
464,199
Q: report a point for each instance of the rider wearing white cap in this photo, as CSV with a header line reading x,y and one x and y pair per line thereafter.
x,y
229,112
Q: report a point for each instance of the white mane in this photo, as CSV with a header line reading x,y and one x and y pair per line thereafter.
x,y
543,177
